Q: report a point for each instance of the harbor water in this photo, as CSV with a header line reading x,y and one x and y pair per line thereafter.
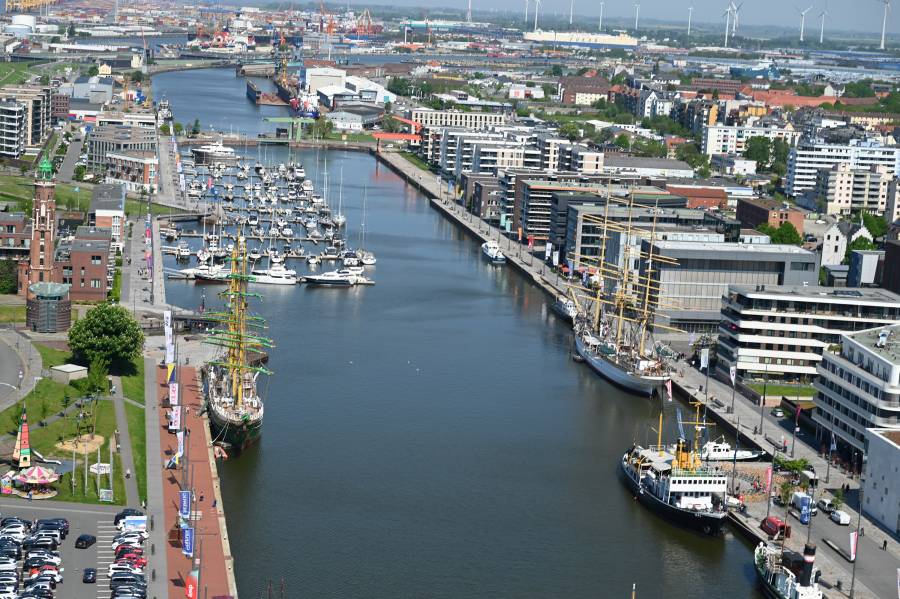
x,y
431,436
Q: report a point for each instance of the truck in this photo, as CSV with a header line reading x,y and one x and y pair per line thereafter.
x,y
797,500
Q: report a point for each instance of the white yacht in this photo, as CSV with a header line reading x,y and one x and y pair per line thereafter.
x,y
276,274
721,451
213,153
333,278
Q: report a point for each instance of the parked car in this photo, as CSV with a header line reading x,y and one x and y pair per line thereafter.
x,y
825,505
85,541
89,576
777,412
840,517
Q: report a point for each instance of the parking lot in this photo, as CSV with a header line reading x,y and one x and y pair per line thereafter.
x,y
83,519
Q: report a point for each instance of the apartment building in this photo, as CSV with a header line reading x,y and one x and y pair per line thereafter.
x,y
428,117
534,198
487,199
550,146
732,139
782,332
12,128
15,236
859,387
844,190
583,91
107,209
581,159
690,290
84,264
490,156
809,157
37,102
147,119
136,170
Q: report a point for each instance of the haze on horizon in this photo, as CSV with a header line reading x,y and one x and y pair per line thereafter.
x,y
862,15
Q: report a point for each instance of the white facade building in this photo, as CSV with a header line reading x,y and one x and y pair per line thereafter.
x,y
805,161
732,139
859,388
782,331
836,239
881,484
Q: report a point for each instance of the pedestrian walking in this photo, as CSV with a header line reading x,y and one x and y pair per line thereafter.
x,y
884,545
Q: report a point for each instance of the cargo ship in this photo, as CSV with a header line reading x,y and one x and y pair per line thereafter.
x,y
253,93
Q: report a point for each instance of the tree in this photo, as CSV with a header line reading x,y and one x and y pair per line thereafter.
x,y
93,71
388,107
321,127
785,491
9,273
391,125
98,371
556,70
648,148
876,225
622,141
195,129
759,149
570,130
136,76
785,234
179,129
164,129
45,79
107,332
838,500
861,244
70,32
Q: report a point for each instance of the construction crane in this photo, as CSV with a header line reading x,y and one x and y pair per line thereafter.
x,y
364,24
328,18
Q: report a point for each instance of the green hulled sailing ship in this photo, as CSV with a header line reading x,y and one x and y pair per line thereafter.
x,y
233,400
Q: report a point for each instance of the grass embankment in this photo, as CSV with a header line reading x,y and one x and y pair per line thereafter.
x,y
133,381
416,161
786,390
139,208
12,314
138,432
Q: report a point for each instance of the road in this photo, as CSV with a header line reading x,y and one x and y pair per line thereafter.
x,y
14,352
67,168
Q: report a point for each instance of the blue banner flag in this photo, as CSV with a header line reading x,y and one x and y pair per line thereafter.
x,y
187,541
184,504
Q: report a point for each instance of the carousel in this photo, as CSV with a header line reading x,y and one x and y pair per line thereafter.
x,y
32,482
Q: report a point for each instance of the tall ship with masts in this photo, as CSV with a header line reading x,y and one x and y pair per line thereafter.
x,y
233,399
613,335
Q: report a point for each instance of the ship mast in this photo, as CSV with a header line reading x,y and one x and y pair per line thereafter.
x,y
601,279
647,283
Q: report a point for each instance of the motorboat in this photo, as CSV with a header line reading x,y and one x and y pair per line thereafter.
x,y
367,258
183,252
721,451
491,250
565,308
312,260
330,253
254,254
332,278
350,259
276,274
213,153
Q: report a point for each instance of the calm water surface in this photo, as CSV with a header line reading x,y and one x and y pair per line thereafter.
x,y
430,436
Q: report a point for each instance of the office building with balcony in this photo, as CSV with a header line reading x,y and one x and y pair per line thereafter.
x,y
859,388
782,332
12,128
810,156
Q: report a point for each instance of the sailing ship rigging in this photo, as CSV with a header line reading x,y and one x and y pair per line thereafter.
x,y
233,401
613,332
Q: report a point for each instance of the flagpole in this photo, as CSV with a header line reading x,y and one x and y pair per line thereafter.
x,y
830,446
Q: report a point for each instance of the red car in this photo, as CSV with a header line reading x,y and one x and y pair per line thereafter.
x,y
134,560
128,550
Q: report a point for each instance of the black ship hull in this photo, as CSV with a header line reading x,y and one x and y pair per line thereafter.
x,y
239,436
704,523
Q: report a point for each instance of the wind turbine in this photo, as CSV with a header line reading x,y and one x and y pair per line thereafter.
x,y
469,13
727,15
822,16
637,13
887,7
526,12
690,15
803,21
734,22
571,12
537,8
600,25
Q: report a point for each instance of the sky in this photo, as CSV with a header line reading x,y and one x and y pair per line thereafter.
x,y
855,15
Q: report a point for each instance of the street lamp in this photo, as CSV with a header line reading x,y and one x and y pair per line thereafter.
x,y
858,527
762,399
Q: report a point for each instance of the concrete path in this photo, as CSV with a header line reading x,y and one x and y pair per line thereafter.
x,y
156,509
67,168
126,455
17,353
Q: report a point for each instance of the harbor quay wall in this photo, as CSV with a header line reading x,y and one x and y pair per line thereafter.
x,y
531,267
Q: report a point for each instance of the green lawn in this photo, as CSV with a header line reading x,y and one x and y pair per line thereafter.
x,y
416,161
341,136
138,432
10,314
139,208
133,382
787,390
51,356
13,73
21,188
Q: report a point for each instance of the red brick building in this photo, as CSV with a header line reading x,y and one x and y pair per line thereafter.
x,y
84,264
755,212
15,236
701,197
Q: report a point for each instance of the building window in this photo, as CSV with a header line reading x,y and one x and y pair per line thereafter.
x,y
95,260
95,283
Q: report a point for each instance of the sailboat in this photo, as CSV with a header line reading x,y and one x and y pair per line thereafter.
x,y
366,257
339,219
614,342
233,401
